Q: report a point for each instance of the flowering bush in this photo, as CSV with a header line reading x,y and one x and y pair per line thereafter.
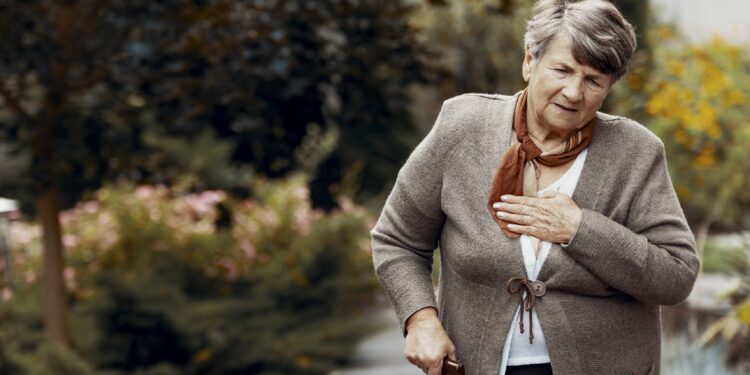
x,y
204,283
694,97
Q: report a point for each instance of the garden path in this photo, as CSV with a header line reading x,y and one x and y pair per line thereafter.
x,y
383,352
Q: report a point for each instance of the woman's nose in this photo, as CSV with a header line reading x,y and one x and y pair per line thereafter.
x,y
573,90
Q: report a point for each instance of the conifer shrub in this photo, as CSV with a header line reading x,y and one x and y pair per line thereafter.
x,y
165,282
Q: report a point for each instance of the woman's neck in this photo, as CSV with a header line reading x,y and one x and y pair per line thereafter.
x,y
546,139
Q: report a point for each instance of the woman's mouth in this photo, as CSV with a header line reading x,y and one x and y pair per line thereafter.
x,y
564,108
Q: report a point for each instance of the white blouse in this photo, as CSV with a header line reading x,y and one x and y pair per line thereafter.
x,y
517,351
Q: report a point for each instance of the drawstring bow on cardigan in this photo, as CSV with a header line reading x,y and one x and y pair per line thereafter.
x,y
517,285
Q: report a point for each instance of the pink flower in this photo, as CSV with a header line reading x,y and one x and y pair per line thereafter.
x,y
346,204
204,204
303,220
212,196
154,213
7,294
301,192
67,216
29,276
269,217
69,274
144,192
248,248
23,234
108,238
70,240
105,218
90,207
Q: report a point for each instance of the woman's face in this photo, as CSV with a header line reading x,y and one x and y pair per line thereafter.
x,y
563,94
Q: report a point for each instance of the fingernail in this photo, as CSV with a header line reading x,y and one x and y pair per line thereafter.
x,y
500,214
512,226
505,197
496,205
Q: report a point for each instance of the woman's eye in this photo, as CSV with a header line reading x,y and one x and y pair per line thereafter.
x,y
595,82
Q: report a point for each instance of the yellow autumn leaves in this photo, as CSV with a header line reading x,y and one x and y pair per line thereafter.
x,y
694,96
693,93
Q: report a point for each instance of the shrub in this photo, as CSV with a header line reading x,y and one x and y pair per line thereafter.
x,y
165,282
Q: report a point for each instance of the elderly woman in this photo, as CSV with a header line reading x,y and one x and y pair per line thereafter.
x,y
559,230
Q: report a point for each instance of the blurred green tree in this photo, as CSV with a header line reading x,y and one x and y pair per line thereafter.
x,y
138,90
62,114
314,85
71,115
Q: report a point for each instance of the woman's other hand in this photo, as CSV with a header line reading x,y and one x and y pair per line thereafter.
x,y
553,217
427,343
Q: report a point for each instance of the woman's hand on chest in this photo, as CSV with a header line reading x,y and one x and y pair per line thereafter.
x,y
552,217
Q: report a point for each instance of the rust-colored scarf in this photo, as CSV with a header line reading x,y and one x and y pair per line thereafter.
x,y
509,178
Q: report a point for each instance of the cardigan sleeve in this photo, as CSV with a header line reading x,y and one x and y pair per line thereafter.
x,y
409,227
653,256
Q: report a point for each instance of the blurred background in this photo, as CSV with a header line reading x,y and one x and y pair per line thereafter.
x,y
188,185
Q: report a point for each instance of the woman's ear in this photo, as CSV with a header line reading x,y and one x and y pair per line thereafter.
x,y
528,60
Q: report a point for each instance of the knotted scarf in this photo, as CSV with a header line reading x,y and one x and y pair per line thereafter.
x,y
524,154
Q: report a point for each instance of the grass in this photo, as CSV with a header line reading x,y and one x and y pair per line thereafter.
x,y
725,259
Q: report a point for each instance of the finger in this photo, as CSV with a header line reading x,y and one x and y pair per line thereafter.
x,y
510,207
517,199
523,229
514,218
452,354
521,200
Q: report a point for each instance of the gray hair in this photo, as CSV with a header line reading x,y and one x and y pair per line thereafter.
x,y
601,37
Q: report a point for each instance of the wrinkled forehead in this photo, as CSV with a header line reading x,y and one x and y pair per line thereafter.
x,y
579,50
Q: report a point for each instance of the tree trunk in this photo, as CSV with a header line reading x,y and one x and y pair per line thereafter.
x,y
53,292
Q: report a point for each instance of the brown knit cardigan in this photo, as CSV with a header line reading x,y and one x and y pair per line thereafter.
x,y
600,315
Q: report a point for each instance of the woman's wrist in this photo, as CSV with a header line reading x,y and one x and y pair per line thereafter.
x,y
425,314
574,225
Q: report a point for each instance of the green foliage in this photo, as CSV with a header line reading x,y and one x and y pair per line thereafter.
x,y
163,282
694,99
726,260
481,45
25,349
102,91
73,113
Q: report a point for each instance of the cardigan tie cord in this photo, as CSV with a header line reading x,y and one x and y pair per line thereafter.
x,y
533,289
509,177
